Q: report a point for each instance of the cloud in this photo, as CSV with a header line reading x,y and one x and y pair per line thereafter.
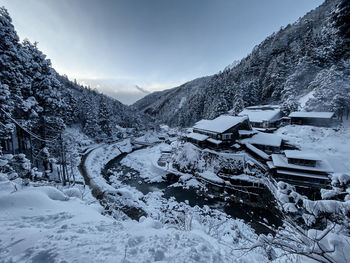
x,y
124,97
142,90
125,90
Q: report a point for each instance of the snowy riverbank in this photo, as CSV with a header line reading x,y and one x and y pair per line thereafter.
x,y
44,224
98,158
40,228
144,160
55,224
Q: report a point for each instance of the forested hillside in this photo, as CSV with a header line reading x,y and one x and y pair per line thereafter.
x,y
41,103
310,56
168,105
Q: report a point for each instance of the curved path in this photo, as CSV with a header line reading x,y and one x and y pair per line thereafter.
x,y
83,170
91,167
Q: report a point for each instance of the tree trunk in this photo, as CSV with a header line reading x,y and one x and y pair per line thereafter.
x,y
64,176
31,149
19,139
13,143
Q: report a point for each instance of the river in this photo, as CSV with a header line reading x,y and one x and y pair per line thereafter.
x,y
255,217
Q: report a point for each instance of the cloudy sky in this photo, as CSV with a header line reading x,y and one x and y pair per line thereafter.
x,y
155,44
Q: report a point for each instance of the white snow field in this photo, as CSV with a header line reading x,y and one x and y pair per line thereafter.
x,y
40,224
47,224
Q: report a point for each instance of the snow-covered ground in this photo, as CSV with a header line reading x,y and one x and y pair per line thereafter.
x,y
76,143
37,227
48,224
149,137
53,224
99,157
333,144
144,161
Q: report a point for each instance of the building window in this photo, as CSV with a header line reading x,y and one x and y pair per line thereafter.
x,y
227,136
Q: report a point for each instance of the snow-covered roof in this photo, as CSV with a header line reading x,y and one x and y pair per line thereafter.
x,y
166,148
220,124
270,165
250,162
247,132
301,174
257,151
281,161
260,114
210,176
217,142
312,114
263,107
236,145
197,136
304,155
264,139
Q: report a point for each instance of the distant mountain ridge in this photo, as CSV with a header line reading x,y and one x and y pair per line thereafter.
x,y
310,55
124,90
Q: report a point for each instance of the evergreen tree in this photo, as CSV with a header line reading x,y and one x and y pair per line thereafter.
x,y
46,91
332,89
12,75
42,103
342,18
92,127
104,119
341,21
238,104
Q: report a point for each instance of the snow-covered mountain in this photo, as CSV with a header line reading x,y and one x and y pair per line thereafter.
x,y
43,101
311,55
232,65
171,104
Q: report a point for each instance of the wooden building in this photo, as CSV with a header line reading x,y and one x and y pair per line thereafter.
x,y
199,139
19,141
257,153
269,143
263,117
325,119
300,168
221,131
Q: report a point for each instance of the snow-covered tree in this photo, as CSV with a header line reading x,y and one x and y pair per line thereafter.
x,y
238,103
41,102
332,89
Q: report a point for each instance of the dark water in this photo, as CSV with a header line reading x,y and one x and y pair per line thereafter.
x,y
251,215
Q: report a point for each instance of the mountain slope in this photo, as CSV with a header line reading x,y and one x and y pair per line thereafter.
x,y
37,104
309,55
171,104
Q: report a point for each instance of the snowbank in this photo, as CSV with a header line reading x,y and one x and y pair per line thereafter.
x,y
212,177
98,158
190,159
149,137
144,161
41,224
